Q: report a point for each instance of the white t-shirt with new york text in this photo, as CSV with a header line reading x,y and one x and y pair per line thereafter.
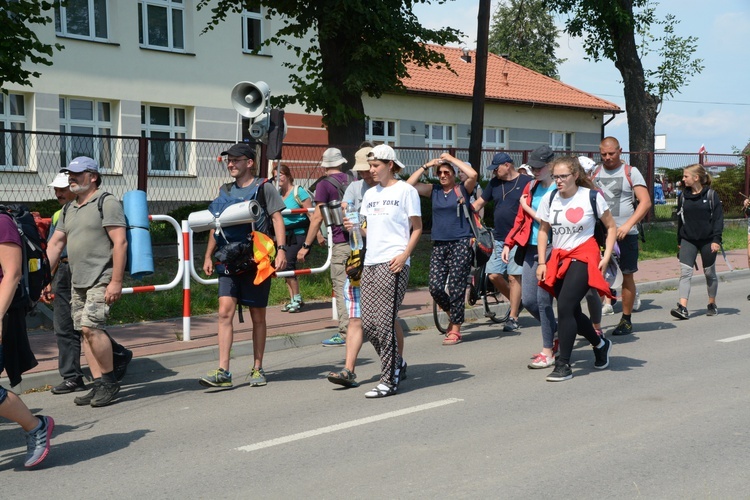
x,y
387,211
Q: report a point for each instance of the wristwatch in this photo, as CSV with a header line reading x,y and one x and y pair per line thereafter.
x,y
306,246
281,247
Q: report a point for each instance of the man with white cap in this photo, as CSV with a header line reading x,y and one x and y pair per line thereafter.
x,y
94,233
330,188
68,338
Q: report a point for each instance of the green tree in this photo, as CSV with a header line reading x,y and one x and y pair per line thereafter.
x,y
19,43
621,31
358,48
526,32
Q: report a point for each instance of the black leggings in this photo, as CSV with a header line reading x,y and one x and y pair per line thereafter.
x,y
570,291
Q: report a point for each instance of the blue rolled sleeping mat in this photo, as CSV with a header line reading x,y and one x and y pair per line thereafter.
x,y
140,254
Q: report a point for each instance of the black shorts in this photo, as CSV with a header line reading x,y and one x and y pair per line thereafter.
x,y
629,254
242,288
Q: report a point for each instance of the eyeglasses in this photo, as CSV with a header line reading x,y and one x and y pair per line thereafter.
x,y
235,160
444,172
560,177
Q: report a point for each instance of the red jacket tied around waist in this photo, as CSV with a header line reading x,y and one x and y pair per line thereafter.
x,y
559,261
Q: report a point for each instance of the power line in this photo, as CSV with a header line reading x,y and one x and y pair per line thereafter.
x,y
686,101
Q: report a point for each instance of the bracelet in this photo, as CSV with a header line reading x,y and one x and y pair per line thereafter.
x,y
306,246
542,264
425,167
281,247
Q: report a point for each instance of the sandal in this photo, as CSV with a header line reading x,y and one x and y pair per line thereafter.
x,y
381,391
452,338
345,378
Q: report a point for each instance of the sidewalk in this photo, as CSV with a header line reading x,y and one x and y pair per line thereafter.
x,y
157,344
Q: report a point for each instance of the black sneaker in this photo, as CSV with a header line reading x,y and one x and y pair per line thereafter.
x,y
86,399
625,327
105,394
561,372
680,312
68,386
121,364
712,310
602,355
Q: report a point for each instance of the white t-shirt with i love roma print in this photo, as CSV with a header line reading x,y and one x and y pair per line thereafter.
x,y
571,219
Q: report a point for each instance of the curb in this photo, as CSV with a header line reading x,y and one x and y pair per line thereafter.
x,y
410,324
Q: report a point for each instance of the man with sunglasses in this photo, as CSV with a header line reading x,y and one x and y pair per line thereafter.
x,y
504,189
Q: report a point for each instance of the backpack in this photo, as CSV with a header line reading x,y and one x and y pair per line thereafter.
x,y
600,230
710,195
483,242
340,187
235,247
628,169
35,270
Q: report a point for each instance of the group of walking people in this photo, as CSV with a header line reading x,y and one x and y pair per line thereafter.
x,y
556,235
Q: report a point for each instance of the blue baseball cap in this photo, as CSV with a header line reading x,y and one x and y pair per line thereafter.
x,y
81,164
499,159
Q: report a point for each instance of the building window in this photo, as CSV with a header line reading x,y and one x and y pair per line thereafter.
x,y
167,128
13,145
380,132
252,30
495,139
438,136
85,119
161,24
82,19
561,141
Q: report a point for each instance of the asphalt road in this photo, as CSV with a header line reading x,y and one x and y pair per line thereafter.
x,y
668,419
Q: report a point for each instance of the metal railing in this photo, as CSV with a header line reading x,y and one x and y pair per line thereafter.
x,y
178,172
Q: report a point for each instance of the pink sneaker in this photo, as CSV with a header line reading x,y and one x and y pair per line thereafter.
x,y
541,361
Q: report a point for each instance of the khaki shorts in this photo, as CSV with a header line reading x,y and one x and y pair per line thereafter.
x,y
88,308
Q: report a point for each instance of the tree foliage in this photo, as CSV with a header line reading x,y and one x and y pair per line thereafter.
x,y
19,43
358,47
621,31
526,32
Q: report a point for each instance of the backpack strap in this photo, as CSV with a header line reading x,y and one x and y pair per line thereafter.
x,y
337,184
592,197
295,193
99,204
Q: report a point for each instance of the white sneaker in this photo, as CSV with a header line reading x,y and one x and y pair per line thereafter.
x,y
607,310
542,361
637,302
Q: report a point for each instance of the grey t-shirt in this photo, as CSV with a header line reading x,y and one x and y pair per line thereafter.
x,y
89,247
354,193
618,193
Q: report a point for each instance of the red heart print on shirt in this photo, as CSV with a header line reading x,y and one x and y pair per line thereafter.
x,y
574,214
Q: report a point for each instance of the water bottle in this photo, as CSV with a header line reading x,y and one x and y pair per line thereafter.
x,y
355,235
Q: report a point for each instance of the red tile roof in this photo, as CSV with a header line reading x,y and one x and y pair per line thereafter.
x,y
507,82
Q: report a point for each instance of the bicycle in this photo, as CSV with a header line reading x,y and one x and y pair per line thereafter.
x,y
496,306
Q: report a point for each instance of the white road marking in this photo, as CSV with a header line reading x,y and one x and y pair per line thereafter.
x,y
346,425
734,339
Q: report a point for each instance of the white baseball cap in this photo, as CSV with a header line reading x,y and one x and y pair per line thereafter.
x,y
60,181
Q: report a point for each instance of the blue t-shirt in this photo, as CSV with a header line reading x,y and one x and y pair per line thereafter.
x,y
448,220
291,203
507,196
537,195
